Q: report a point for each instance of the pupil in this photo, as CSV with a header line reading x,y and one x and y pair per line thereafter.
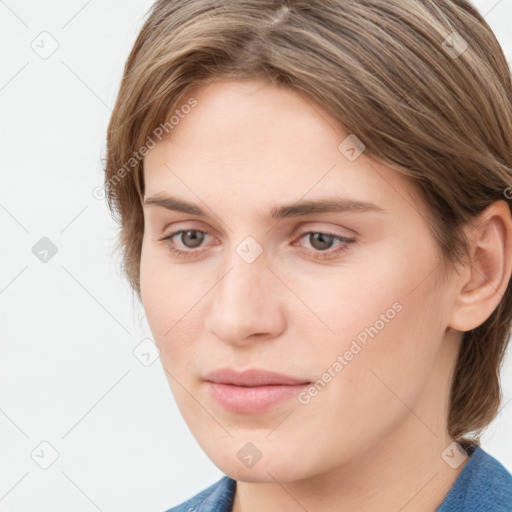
x,y
196,240
323,243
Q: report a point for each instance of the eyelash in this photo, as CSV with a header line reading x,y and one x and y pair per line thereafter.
x,y
319,255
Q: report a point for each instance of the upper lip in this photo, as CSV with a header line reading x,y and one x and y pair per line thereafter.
x,y
252,377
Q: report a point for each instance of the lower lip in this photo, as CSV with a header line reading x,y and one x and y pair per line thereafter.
x,y
255,399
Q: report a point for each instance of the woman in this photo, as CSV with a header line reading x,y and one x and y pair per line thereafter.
x,y
314,213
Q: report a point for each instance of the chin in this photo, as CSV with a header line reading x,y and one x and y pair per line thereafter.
x,y
271,467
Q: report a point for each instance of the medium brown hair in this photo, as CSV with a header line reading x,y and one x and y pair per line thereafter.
x,y
396,74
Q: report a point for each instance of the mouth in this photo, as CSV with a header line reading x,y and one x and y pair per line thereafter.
x,y
252,391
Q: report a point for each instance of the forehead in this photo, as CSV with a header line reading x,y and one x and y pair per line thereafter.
x,y
255,142
241,120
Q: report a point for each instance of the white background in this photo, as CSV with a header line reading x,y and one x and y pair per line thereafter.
x,y
68,328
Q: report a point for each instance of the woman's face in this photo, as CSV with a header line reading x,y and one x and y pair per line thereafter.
x,y
359,312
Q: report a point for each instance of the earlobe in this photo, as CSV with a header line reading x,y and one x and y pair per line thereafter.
x,y
485,276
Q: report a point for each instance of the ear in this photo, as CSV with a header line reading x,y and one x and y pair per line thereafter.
x,y
484,279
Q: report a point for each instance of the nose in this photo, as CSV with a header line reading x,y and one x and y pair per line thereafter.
x,y
246,303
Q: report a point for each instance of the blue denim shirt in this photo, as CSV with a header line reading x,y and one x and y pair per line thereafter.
x,y
483,485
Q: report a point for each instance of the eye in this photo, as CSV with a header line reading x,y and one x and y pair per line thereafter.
x,y
189,239
320,241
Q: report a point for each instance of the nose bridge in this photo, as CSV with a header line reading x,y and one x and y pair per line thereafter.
x,y
245,300
248,275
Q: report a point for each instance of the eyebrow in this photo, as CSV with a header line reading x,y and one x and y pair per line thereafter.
x,y
327,205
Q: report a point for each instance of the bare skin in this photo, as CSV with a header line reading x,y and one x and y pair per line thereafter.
x,y
372,437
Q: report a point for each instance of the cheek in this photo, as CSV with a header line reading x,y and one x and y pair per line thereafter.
x,y
162,288
388,318
158,297
388,354
171,299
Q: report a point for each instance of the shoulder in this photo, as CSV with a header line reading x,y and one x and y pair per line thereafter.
x,y
483,484
216,498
